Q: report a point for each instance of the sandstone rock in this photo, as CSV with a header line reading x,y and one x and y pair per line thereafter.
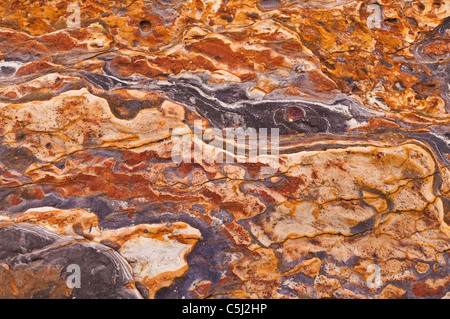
x,y
353,201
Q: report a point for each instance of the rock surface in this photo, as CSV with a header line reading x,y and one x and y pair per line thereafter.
x,y
353,203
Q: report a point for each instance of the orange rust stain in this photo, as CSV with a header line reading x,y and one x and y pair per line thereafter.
x,y
34,67
222,52
60,41
15,200
13,286
422,289
437,48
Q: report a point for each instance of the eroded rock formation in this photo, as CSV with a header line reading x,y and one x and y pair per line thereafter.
x,y
358,91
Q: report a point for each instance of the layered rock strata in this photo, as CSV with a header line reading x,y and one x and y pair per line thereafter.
x,y
115,154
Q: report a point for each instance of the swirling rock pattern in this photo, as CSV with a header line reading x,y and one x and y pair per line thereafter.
x,y
359,92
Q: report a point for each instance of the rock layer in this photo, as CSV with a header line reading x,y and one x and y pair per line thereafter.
x,y
91,116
